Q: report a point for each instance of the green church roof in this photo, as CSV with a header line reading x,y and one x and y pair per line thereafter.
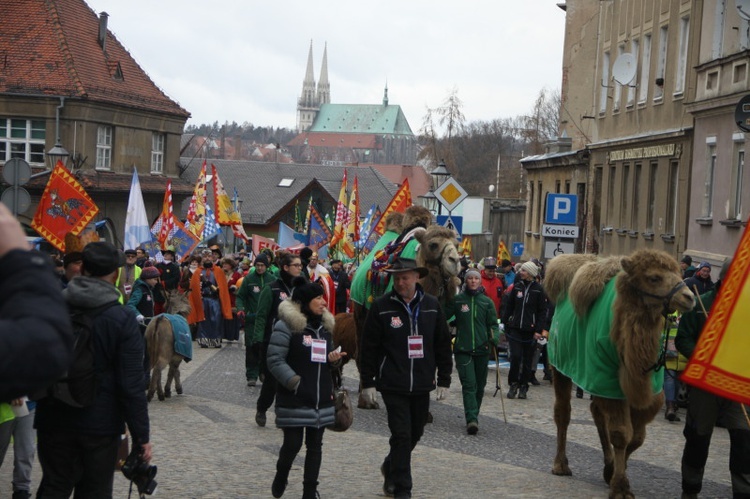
x,y
361,118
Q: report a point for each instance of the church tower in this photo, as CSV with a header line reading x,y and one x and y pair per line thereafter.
x,y
324,88
308,105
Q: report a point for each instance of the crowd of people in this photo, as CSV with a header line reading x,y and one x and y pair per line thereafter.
x,y
283,306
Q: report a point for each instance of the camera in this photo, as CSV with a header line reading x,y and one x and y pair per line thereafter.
x,y
139,472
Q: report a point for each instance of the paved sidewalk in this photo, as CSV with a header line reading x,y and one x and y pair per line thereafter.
x,y
207,445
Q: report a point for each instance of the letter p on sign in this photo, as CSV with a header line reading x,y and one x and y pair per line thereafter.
x,y
561,209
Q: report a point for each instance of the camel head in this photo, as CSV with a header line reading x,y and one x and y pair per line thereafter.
x,y
656,278
438,250
177,303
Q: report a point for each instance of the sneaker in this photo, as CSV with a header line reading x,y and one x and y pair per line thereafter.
x,y
513,391
389,488
522,391
260,418
251,382
472,428
533,380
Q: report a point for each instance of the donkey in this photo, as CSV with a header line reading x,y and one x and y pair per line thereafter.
x,y
160,342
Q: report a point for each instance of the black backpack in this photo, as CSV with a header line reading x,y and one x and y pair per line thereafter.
x,y
79,385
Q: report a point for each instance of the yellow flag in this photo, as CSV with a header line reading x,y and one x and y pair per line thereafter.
x,y
502,252
226,214
342,215
719,362
196,216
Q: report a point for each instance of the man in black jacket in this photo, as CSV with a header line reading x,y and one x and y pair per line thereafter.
x,y
35,332
341,283
78,446
405,341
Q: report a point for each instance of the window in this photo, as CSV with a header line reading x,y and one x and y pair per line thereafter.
x,y
286,182
708,186
22,139
529,218
626,199
661,63
645,70
717,45
674,179
611,196
634,45
679,83
653,168
636,195
104,147
735,193
539,207
157,153
604,85
618,86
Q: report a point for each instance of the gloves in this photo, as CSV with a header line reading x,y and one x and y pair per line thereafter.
x,y
141,320
368,395
293,383
442,392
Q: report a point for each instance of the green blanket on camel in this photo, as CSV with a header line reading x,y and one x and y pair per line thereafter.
x,y
581,349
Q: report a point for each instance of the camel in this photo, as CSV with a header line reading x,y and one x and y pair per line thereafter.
x,y
611,313
160,341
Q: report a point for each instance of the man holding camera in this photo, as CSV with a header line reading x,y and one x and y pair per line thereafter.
x,y
78,446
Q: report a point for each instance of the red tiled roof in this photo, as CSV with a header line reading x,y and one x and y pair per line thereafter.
x,y
419,180
51,48
347,140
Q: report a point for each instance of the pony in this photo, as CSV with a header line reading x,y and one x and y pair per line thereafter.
x,y
160,342
609,315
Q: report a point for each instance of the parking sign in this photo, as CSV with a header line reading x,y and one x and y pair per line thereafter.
x,y
561,209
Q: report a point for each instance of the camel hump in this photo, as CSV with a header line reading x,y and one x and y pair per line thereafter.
x,y
588,283
560,272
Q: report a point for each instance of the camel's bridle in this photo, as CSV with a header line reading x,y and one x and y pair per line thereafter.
x,y
666,299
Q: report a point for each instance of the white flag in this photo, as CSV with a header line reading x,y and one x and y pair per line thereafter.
x,y
136,223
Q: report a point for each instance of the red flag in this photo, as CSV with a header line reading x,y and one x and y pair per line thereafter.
x,y
65,207
166,217
400,202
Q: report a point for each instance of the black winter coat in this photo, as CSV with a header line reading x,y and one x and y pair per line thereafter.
x,y
384,358
525,307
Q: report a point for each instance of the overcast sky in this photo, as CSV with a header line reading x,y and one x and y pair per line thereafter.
x,y
242,60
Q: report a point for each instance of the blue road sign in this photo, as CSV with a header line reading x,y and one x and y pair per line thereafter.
x,y
561,209
452,222
517,249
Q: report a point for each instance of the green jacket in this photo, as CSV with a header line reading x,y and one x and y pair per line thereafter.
x,y
476,323
691,324
249,294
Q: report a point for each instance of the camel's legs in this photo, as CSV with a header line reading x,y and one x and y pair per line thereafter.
x,y
563,386
612,418
640,418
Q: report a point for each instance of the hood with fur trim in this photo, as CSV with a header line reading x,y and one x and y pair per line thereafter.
x,y
291,313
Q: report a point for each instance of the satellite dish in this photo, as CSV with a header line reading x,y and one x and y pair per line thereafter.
x,y
743,8
491,187
623,70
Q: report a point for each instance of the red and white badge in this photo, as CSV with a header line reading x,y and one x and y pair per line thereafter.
x,y
396,322
519,294
464,308
416,347
307,340
318,351
283,296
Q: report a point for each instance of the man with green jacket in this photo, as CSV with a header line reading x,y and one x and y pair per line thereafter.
x,y
247,308
476,333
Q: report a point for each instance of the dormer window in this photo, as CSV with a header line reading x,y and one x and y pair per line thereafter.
x,y
286,182
115,70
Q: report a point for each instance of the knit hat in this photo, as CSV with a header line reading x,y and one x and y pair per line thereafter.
x,y
100,258
262,258
687,259
530,268
72,257
472,272
150,273
305,291
704,265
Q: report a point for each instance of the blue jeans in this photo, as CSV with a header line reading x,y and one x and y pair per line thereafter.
x,y
24,436
670,384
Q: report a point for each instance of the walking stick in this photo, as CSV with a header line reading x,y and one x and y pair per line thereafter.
x,y
498,387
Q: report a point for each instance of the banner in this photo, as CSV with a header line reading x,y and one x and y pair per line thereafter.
x,y
719,362
464,248
342,215
179,238
260,243
137,229
502,252
165,221
64,207
288,237
319,234
225,210
196,215
400,202
210,227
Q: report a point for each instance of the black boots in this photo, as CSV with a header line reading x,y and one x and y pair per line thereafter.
x,y
310,490
671,412
279,483
513,391
522,391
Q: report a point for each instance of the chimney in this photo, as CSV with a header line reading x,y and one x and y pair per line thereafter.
x,y
103,30
238,147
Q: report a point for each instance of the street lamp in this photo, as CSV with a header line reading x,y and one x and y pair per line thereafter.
x,y
429,201
57,153
439,175
488,239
